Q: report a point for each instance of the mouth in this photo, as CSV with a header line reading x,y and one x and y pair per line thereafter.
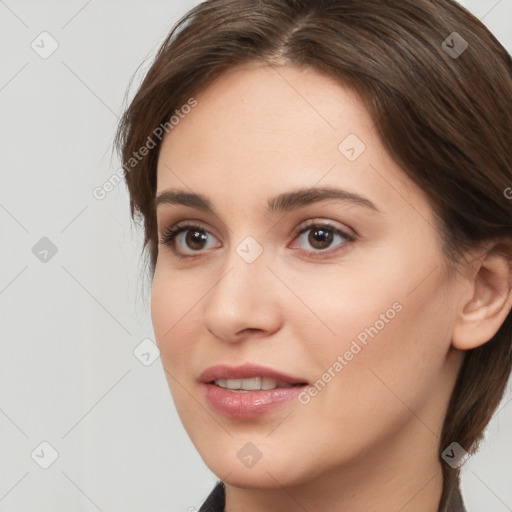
x,y
249,390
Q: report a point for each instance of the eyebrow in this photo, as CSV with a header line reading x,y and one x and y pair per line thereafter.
x,y
284,202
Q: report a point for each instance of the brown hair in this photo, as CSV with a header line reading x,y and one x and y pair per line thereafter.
x,y
445,118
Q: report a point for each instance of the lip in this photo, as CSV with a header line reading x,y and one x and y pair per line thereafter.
x,y
246,371
247,404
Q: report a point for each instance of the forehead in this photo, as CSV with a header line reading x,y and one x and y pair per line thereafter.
x,y
263,101
262,129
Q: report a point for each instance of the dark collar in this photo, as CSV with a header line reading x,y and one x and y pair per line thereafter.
x,y
216,501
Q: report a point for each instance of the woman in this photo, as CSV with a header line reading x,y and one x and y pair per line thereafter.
x,y
323,186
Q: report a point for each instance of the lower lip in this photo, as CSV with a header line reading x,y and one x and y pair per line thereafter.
x,y
248,404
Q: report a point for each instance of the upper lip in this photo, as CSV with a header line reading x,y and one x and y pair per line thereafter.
x,y
246,371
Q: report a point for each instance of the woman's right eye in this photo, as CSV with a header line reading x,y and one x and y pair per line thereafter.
x,y
187,240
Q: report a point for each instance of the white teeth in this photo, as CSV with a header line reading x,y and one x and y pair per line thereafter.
x,y
268,383
234,384
253,384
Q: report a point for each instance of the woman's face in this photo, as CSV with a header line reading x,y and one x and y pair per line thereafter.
x,y
317,259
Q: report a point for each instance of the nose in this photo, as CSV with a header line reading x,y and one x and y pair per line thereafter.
x,y
245,301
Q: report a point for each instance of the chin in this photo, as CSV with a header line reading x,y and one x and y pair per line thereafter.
x,y
266,473
262,478
250,480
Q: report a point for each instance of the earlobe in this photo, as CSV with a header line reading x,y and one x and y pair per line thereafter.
x,y
480,317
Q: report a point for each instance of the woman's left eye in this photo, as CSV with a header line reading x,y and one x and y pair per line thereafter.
x,y
321,237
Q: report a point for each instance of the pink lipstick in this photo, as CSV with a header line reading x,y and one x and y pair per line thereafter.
x,y
248,391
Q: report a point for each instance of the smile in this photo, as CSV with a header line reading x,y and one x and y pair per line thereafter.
x,y
248,390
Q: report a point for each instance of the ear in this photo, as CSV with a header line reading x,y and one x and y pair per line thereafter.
x,y
488,301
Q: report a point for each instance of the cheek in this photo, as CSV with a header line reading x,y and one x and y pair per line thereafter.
x,y
174,303
333,305
174,317
372,334
385,358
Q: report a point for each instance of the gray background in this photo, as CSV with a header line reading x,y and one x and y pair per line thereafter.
x,y
70,324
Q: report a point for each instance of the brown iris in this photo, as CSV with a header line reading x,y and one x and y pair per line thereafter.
x,y
320,238
196,239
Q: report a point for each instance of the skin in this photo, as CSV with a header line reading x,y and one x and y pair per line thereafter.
x,y
369,440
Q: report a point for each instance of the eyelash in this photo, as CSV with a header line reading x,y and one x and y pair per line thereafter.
x,y
170,234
